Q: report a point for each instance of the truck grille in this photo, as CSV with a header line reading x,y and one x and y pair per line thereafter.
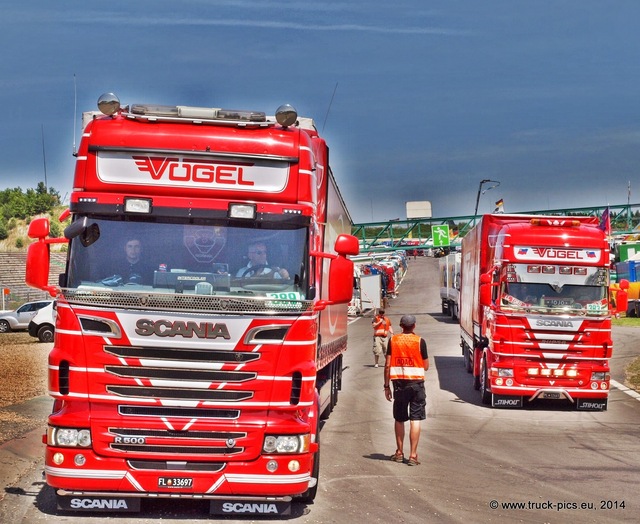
x,y
184,302
177,412
177,394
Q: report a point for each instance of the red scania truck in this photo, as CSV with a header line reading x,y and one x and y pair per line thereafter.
x,y
204,373
535,315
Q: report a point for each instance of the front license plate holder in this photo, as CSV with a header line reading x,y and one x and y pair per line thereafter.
x,y
175,482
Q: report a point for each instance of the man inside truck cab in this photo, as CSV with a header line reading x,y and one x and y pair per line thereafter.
x,y
258,265
132,266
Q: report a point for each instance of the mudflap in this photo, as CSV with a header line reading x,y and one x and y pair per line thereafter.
x,y
506,401
592,404
250,507
98,503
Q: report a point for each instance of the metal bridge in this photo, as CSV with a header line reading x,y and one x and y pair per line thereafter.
x,y
418,233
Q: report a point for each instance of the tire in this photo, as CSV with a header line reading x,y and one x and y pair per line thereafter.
x,y
45,333
468,365
484,383
4,326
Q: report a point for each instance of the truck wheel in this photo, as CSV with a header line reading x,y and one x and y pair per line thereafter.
x,y
45,333
4,326
484,383
467,359
454,311
334,383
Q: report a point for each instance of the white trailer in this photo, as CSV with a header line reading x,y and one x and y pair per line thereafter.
x,y
450,285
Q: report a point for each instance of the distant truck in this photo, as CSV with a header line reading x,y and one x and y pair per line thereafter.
x,y
630,270
535,315
450,285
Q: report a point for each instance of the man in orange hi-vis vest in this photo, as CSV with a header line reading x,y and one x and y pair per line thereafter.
x,y
381,331
405,366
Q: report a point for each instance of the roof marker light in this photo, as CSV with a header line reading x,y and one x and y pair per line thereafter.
x,y
108,104
286,115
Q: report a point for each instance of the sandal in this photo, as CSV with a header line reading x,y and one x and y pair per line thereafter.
x,y
397,457
413,461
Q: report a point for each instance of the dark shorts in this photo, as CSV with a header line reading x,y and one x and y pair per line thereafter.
x,y
409,402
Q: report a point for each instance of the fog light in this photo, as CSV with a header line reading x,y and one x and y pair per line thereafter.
x,y
294,466
272,466
594,385
603,385
58,458
509,382
79,460
498,382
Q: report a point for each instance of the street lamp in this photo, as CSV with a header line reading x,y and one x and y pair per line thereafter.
x,y
480,191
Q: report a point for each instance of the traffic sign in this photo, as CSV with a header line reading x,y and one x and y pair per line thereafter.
x,y
440,236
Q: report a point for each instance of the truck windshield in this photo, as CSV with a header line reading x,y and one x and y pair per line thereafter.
x,y
203,259
575,291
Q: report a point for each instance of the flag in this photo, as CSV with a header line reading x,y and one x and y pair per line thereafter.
x,y
499,206
605,221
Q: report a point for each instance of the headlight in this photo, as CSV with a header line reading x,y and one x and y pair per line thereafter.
x,y
502,372
286,443
68,437
600,375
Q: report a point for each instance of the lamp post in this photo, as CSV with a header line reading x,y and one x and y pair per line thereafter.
x,y
480,191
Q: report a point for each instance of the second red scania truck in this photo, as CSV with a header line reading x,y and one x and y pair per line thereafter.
x,y
535,315
200,369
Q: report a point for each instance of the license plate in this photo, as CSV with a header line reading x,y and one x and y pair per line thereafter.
x,y
551,395
175,482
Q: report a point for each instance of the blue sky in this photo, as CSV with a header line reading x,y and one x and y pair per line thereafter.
x,y
418,99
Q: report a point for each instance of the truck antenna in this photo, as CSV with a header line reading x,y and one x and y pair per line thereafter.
x,y
75,109
329,108
44,161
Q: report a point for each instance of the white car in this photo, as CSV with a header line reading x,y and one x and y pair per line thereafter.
x,y
18,320
43,324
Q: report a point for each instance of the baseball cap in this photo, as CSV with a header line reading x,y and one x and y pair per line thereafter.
x,y
408,320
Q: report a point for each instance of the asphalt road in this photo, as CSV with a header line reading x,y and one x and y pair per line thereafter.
x,y
543,464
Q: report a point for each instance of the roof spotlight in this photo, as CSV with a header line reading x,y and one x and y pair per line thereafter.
x,y
108,104
286,115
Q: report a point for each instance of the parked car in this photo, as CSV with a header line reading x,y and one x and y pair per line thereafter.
x,y
18,320
42,326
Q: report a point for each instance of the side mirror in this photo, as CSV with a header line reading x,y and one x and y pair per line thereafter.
x,y
340,286
341,270
37,268
88,232
340,280
38,256
347,245
622,296
485,289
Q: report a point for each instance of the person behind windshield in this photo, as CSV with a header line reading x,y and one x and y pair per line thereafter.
x,y
258,265
132,267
